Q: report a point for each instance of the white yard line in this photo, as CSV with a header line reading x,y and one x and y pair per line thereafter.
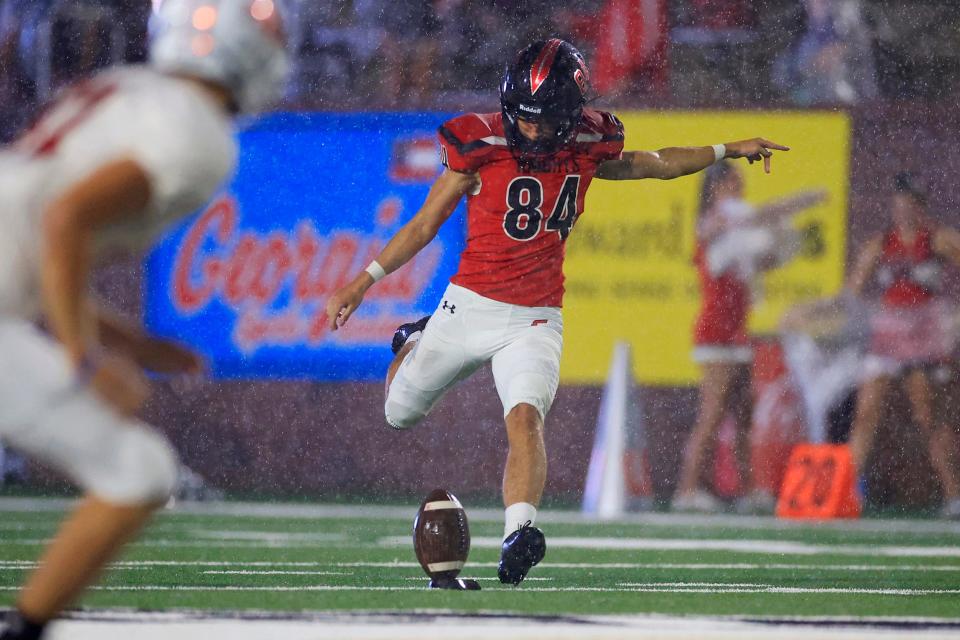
x,y
779,547
703,566
275,573
264,536
269,541
325,511
486,578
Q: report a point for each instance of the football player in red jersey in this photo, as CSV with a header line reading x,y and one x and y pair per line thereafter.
x,y
524,171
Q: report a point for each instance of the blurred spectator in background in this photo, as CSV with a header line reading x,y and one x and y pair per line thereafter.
x,y
823,345
631,50
80,38
714,43
338,50
831,62
736,241
16,86
916,49
912,331
445,54
66,40
487,32
13,467
46,44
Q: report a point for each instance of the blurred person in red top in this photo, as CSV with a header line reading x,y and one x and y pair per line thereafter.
x,y
735,242
911,337
631,47
524,171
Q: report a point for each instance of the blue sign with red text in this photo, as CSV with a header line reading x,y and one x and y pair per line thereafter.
x,y
315,198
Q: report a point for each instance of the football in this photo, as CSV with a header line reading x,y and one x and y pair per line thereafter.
x,y
441,536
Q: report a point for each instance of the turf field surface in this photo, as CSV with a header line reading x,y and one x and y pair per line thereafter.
x,y
316,567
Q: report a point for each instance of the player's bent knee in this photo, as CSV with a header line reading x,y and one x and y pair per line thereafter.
x,y
404,407
146,471
400,417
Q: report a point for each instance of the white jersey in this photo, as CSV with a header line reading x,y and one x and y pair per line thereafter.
x,y
176,133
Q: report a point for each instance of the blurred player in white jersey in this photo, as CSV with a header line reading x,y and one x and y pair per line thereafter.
x,y
114,161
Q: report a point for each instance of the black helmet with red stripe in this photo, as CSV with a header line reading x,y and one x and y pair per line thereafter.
x,y
546,84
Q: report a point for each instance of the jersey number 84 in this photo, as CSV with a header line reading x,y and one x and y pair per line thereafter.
x,y
524,217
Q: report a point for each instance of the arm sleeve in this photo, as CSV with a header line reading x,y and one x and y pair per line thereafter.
x,y
608,128
613,137
458,152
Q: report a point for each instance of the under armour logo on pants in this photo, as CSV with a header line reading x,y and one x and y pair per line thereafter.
x,y
449,307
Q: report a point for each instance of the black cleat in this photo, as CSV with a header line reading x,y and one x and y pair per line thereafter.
x,y
16,627
455,584
404,331
522,549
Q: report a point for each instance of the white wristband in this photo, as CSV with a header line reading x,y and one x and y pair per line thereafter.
x,y
375,270
719,152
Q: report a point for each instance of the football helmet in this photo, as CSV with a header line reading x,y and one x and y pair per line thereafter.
x,y
236,43
546,84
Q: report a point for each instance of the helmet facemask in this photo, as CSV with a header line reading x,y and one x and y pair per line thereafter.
x,y
546,85
563,128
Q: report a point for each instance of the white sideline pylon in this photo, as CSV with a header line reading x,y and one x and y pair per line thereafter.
x,y
605,493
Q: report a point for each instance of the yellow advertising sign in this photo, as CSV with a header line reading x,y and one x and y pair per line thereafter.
x,y
629,268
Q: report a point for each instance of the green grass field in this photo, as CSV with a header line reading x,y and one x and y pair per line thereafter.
x,y
306,558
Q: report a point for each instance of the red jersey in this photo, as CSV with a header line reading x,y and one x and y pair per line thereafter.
x,y
519,218
724,307
908,271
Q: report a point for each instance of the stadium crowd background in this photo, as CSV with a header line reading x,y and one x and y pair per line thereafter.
x,y
895,66
448,54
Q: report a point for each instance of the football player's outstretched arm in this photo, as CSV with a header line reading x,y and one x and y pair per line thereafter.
x,y
673,162
409,240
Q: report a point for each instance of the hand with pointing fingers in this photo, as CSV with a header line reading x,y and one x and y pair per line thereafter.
x,y
754,150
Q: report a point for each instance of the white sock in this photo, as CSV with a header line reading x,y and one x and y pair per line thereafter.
x,y
517,515
413,337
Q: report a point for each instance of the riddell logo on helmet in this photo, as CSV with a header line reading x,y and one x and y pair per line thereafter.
x,y
524,107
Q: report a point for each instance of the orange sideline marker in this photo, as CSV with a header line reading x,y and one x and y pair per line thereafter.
x,y
820,483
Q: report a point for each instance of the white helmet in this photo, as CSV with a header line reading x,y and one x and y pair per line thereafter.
x,y
236,43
